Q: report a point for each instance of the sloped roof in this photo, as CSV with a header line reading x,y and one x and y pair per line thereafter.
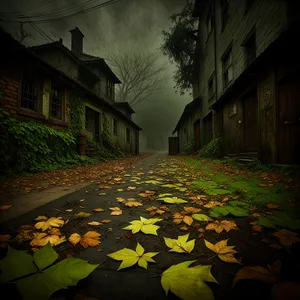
x,y
187,112
12,44
126,106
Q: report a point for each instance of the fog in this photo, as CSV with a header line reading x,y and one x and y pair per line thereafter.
x,y
125,25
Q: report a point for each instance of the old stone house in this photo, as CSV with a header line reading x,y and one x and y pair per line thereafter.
x,y
247,77
37,83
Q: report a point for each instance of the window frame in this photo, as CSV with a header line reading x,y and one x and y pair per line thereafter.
x,y
224,13
109,88
225,69
128,135
61,97
35,87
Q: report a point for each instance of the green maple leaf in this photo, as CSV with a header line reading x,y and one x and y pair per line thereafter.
x,y
172,200
144,225
181,245
188,283
33,280
164,195
130,257
201,217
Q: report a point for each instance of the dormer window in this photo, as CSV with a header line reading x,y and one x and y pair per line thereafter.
x,y
109,88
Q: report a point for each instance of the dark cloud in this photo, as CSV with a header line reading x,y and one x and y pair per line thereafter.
x,y
134,25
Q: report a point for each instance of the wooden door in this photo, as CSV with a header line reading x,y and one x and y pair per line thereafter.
x,y
197,135
251,136
173,145
289,121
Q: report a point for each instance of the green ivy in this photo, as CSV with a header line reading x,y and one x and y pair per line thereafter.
x,y
214,149
76,106
34,147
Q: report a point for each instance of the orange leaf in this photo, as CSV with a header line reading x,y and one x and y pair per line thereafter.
x,y
4,207
98,209
184,228
256,228
91,238
272,205
105,221
116,211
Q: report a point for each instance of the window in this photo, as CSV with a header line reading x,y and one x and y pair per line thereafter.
x,y
115,126
88,119
128,137
250,50
209,24
56,102
109,88
29,95
227,68
248,4
224,7
211,87
232,110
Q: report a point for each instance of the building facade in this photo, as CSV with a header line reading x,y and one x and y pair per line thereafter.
x,y
246,70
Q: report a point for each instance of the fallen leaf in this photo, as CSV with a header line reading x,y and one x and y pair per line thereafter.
x,y
219,226
120,190
133,203
48,224
262,184
120,199
103,186
256,228
272,205
255,215
193,286
95,223
81,206
225,253
5,207
178,218
40,218
225,199
98,209
130,257
109,229
153,210
181,245
145,225
99,249
191,210
82,214
105,221
54,231
102,194
213,204
286,237
81,200
42,238
128,235
201,230
131,188
69,210
90,239
172,200
184,228
269,274
116,211
201,217
117,179
4,238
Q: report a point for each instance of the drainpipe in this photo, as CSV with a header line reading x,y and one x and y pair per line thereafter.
x,y
215,61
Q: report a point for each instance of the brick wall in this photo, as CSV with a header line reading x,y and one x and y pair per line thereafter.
x,y
9,85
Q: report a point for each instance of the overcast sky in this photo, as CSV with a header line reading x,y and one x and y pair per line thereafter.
x,y
127,24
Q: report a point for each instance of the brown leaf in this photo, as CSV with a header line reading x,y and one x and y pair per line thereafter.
x,y
90,239
256,228
262,184
213,204
69,210
95,223
267,274
82,214
120,199
224,252
255,215
201,230
153,210
184,228
109,229
5,207
128,235
272,205
133,203
105,221
191,210
219,226
286,237
178,218
201,235
98,209
116,211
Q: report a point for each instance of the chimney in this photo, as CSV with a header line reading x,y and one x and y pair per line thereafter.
x,y
77,40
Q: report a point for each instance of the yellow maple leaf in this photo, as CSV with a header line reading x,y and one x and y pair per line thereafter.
x,y
133,203
286,237
180,245
49,223
69,210
225,253
82,214
120,199
90,239
98,209
40,218
219,226
116,211
95,223
147,226
105,221
42,238
178,218
153,210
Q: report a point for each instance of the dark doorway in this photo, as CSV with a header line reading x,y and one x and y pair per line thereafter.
x,y
289,121
137,150
197,135
207,129
251,140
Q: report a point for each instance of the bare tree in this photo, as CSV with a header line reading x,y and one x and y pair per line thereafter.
x,y
141,74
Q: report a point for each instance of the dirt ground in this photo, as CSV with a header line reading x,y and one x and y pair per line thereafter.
x,y
256,205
